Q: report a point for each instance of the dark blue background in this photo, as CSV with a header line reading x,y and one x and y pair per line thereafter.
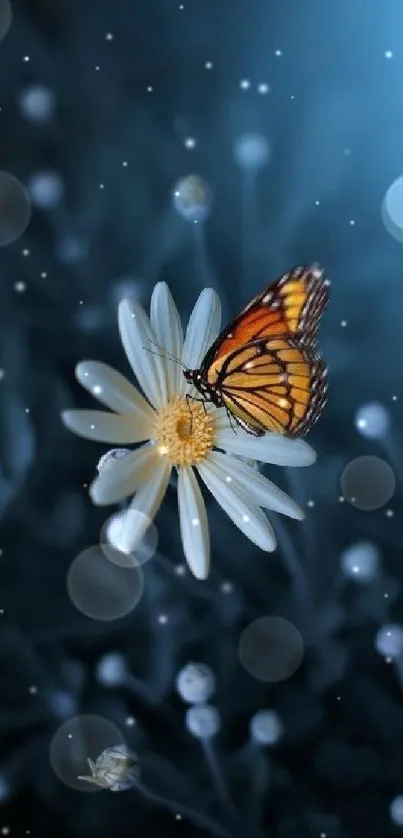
x,y
334,120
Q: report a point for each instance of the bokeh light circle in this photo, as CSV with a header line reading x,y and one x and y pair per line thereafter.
x,y
271,649
78,739
203,721
46,189
195,683
6,17
15,208
266,727
396,810
37,103
372,420
251,151
389,640
368,482
115,548
360,561
111,669
392,210
101,589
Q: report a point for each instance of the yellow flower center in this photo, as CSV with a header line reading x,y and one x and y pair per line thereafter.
x,y
184,432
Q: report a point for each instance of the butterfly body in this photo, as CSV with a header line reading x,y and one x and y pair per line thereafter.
x,y
264,368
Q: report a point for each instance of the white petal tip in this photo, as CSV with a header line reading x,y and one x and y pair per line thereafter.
x,y
81,369
269,547
95,495
66,417
199,573
306,455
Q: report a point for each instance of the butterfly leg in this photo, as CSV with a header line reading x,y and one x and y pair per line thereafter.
x,y
230,419
188,397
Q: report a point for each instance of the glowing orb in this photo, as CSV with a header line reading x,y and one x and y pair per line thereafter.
x,y
251,151
266,727
46,189
396,810
37,103
372,420
111,669
360,561
389,640
203,721
195,683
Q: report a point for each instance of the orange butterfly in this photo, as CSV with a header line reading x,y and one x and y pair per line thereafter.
x,y
264,367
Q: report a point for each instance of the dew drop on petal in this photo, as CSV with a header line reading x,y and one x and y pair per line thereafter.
x,y
101,589
368,482
110,457
78,739
271,649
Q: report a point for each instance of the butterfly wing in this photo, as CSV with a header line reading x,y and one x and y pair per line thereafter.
x,y
293,305
274,385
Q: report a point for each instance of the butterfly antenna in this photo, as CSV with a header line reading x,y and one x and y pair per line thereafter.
x,y
163,354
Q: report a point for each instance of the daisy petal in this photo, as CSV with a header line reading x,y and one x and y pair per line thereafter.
x,y
245,514
106,427
124,476
112,389
271,448
138,340
165,322
203,328
193,524
259,489
147,501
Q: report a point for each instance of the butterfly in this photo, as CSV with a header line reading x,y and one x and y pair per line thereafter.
x,y
264,367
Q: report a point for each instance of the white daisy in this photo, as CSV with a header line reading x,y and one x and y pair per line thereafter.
x,y
178,433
